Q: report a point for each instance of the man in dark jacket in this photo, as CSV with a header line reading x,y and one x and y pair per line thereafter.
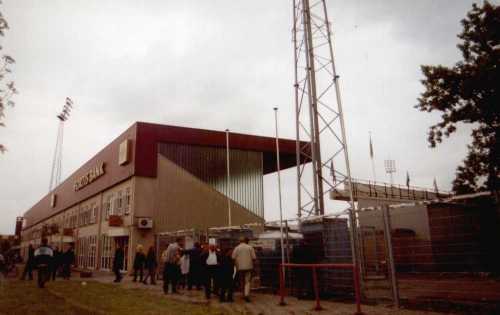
x,y
56,263
43,260
139,261
151,265
118,262
195,266
68,259
226,279
28,268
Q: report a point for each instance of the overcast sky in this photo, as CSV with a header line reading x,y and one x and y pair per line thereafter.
x,y
217,64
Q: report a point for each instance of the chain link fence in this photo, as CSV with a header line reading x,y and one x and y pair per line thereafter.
x,y
440,255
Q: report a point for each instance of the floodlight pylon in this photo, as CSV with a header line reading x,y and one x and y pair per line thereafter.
x,y
63,116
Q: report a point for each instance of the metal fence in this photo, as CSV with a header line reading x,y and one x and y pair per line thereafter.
x,y
319,265
437,254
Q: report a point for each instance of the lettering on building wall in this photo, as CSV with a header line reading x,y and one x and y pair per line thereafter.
x,y
93,174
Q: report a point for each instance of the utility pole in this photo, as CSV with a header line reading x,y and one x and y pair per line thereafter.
x,y
63,116
228,181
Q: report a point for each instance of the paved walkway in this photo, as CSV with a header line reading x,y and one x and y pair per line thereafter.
x,y
262,304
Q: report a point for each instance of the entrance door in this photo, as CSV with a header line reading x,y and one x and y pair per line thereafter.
x,y
123,242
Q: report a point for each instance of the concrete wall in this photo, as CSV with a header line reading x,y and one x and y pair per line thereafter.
x,y
415,218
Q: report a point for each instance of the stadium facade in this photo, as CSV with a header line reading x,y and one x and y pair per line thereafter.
x,y
154,179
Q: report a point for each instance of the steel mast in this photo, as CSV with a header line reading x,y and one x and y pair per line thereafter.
x,y
55,176
318,106
319,117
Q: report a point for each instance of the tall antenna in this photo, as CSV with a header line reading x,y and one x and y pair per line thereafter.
x,y
55,176
318,105
319,117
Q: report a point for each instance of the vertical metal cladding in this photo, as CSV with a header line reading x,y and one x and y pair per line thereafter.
x,y
209,165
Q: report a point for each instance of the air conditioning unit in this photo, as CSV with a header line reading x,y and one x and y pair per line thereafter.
x,y
145,223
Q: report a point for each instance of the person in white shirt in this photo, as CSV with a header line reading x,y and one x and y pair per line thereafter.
x,y
211,261
244,258
184,266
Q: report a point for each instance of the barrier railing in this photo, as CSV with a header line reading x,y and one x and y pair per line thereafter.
x,y
314,267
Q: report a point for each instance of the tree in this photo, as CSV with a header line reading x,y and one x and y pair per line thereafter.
x,y
468,93
7,88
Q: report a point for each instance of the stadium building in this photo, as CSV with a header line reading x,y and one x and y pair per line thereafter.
x,y
154,179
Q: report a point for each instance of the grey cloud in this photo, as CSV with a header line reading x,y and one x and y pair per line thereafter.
x,y
216,64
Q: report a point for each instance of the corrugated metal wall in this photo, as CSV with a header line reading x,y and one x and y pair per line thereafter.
x,y
209,165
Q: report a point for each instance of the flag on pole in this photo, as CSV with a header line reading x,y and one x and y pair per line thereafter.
x,y
371,147
435,186
332,171
407,179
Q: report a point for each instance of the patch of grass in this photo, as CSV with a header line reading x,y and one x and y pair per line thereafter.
x,y
24,297
70,297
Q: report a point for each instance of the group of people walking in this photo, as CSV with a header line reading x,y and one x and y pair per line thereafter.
x,y
50,262
217,271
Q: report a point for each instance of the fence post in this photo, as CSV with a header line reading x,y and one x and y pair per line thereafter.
x,y
282,286
316,289
357,291
388,239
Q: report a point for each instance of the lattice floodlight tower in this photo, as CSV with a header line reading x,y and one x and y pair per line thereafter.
x,y
55,176
319,117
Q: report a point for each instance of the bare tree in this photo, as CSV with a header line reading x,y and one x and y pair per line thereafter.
x,y
7,88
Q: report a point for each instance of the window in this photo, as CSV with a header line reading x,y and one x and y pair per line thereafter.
x,y
88,211
119,203
73,220
82,215
86,252
93,215
106,252
108,206
79,219
80,252
127,201
92,252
